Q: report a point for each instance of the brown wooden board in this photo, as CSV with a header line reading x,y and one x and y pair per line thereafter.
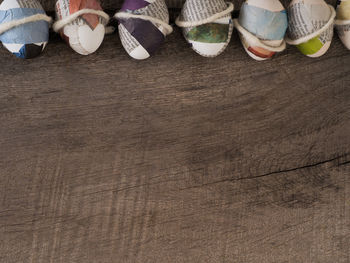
x,y
175,159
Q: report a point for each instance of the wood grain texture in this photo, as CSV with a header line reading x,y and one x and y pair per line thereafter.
x,y
49,5
175,159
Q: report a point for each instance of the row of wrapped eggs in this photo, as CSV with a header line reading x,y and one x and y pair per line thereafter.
x,y
144,24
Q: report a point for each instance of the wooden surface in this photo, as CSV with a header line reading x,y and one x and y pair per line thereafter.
x,y
175,159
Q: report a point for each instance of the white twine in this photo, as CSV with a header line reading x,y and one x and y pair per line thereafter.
x,y
59,24
254,41
15,23
230,8
125,15
316,33
339,22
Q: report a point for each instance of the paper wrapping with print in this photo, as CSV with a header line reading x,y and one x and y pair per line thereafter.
x,y
210,39
86,33
267,21
27,40
343,21
305,18
141,38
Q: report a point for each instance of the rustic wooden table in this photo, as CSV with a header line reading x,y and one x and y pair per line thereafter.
x,y
175,159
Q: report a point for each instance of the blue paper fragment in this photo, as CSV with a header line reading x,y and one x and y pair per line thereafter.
x,y
262,23
34,32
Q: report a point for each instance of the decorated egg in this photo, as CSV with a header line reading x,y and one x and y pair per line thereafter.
x,y
24,27
262,25
206,25
81,23
143,26
342,22
310,26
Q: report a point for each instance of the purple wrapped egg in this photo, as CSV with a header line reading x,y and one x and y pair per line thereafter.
x,y
143,26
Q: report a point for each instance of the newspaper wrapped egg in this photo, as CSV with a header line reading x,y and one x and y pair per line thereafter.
x,y
342,22
262,25
24,27
81,24
206,25
143,26
310,26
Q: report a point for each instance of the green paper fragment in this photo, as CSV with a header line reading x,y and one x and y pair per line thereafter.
x,y
209,33
310,47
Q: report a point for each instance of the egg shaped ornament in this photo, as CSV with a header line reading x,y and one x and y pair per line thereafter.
x,y
24,27
342,22
143,26
206,25
262,25
310,26
81,23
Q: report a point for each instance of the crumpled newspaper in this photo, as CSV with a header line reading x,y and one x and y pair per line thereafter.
x,y
306,18
86,33
207,39
343,21
27,40
262,25
141,38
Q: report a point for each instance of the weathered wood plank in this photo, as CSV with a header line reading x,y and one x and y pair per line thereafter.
x,y
185,108
116,207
